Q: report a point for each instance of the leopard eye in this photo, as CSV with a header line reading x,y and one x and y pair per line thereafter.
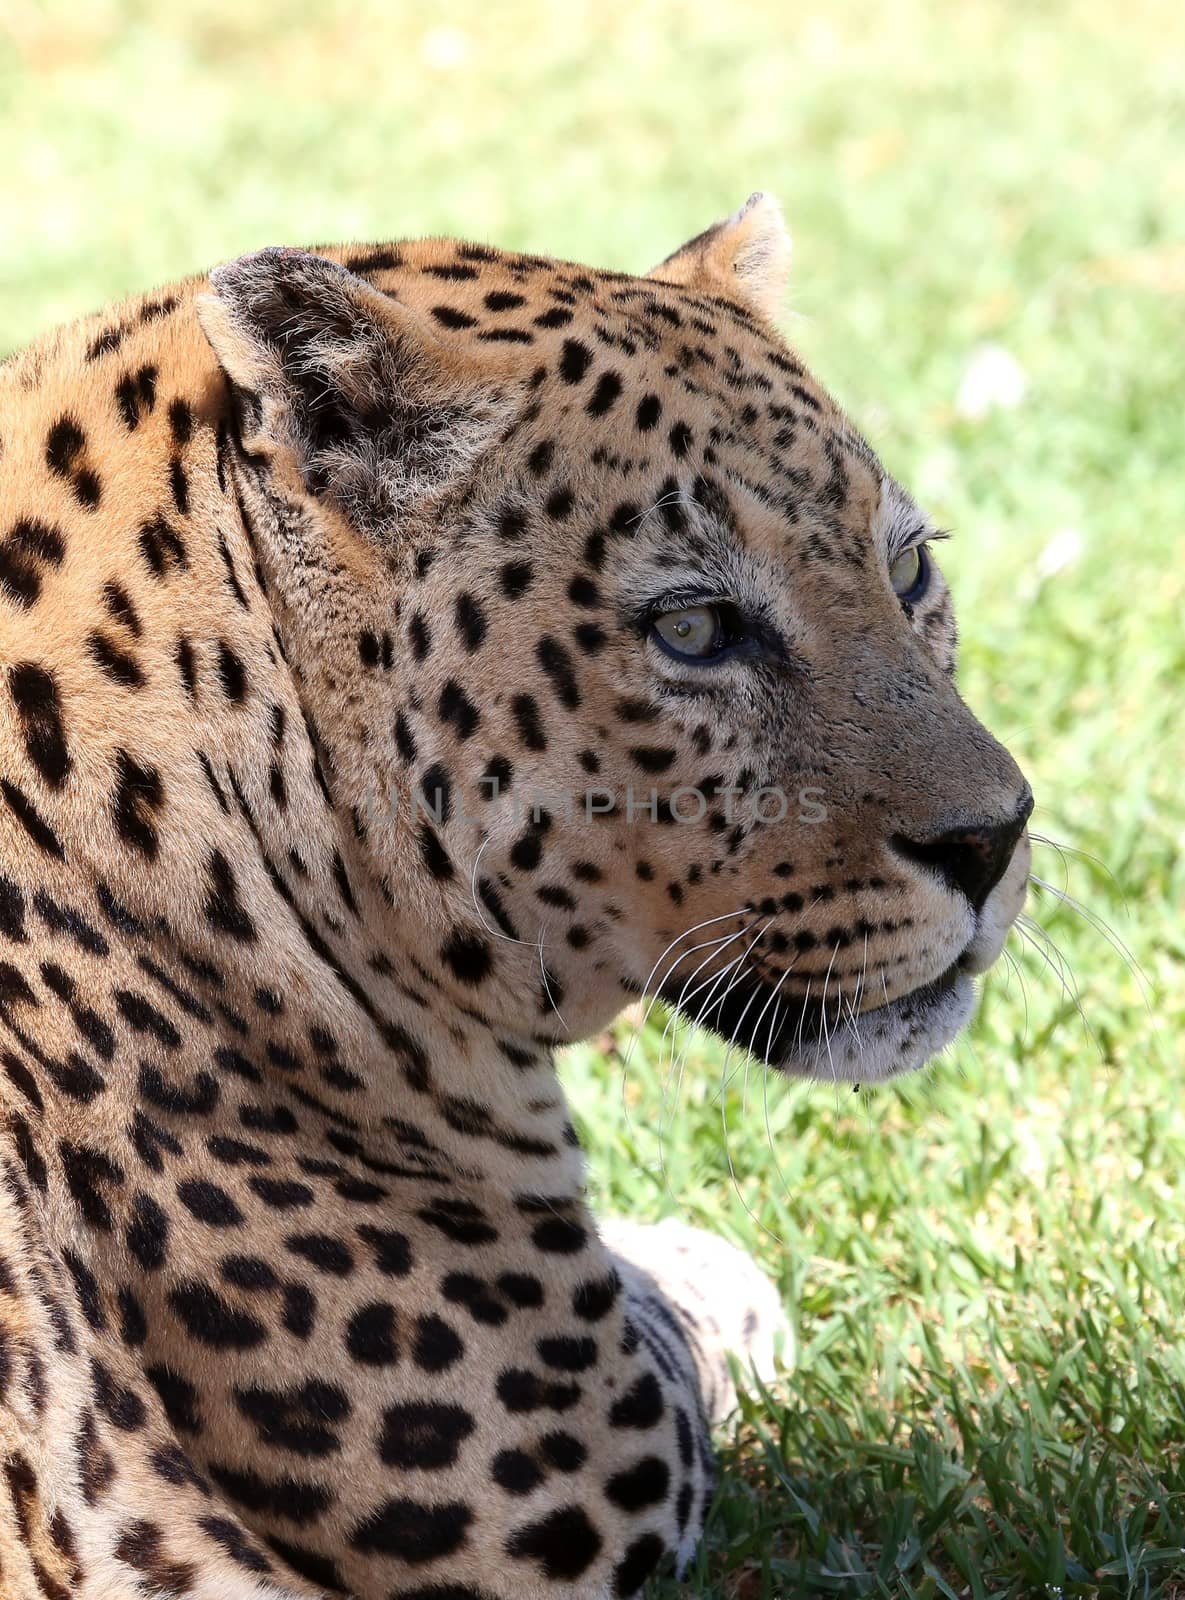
x,y
695,633
910,574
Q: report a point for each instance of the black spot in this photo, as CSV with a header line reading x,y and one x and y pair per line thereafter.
x,y
300,1310
181,421
563,1452
117,664
652,759
31,820
138,793
559,1236
404,740
516,1472
525,709
604,396
282,1194
235,1542
435,857
12,912
302,1418
459,1220
423,1435
467,957
436,788
213,1321
639,1561
471,621
64,444
541,457
511,523
557,662
319,1569
521,1391
419,636
179,484
121,1405
384,259
563,1353
183,655
321,1251
507,336
475,1294
413,1532
574,362
594,1299
231,672
133,1324
515,578
136,393
106,343
527,850
449,317
119,604
209,1203
644,1484
38,705
370,1335
88,1173
290,1498
681,439
649,411
437,1346
456,708
564,1543
451,272
223,908
248,1272
148,1233
392,1251
162,547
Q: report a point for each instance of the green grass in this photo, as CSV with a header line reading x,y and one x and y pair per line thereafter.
x,y
983,1265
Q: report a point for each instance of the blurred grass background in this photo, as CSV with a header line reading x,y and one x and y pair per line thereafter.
x,y
984,1265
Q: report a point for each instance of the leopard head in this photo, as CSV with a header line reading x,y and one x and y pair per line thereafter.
x,y
633,664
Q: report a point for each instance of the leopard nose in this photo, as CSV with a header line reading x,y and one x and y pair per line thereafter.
x,y
973,858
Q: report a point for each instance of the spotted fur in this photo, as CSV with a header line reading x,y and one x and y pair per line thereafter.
x,y
299,1290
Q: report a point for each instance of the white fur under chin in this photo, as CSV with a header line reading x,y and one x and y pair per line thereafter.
x,y
884,1043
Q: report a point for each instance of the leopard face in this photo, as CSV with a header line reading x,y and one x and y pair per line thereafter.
x,y
633,664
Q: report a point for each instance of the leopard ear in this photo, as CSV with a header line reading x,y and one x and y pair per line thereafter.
x,y
746,256
353,389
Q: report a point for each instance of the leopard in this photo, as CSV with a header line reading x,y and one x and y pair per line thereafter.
x,y
413,655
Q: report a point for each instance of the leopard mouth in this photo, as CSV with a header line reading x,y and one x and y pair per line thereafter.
x,y
817,1038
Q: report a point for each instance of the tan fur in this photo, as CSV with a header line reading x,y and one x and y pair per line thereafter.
x,y
299,1292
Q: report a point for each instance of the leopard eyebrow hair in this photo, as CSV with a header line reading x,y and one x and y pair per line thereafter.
x,y
917,536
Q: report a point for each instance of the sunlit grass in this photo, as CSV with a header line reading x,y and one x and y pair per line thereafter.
x,y
983,1265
